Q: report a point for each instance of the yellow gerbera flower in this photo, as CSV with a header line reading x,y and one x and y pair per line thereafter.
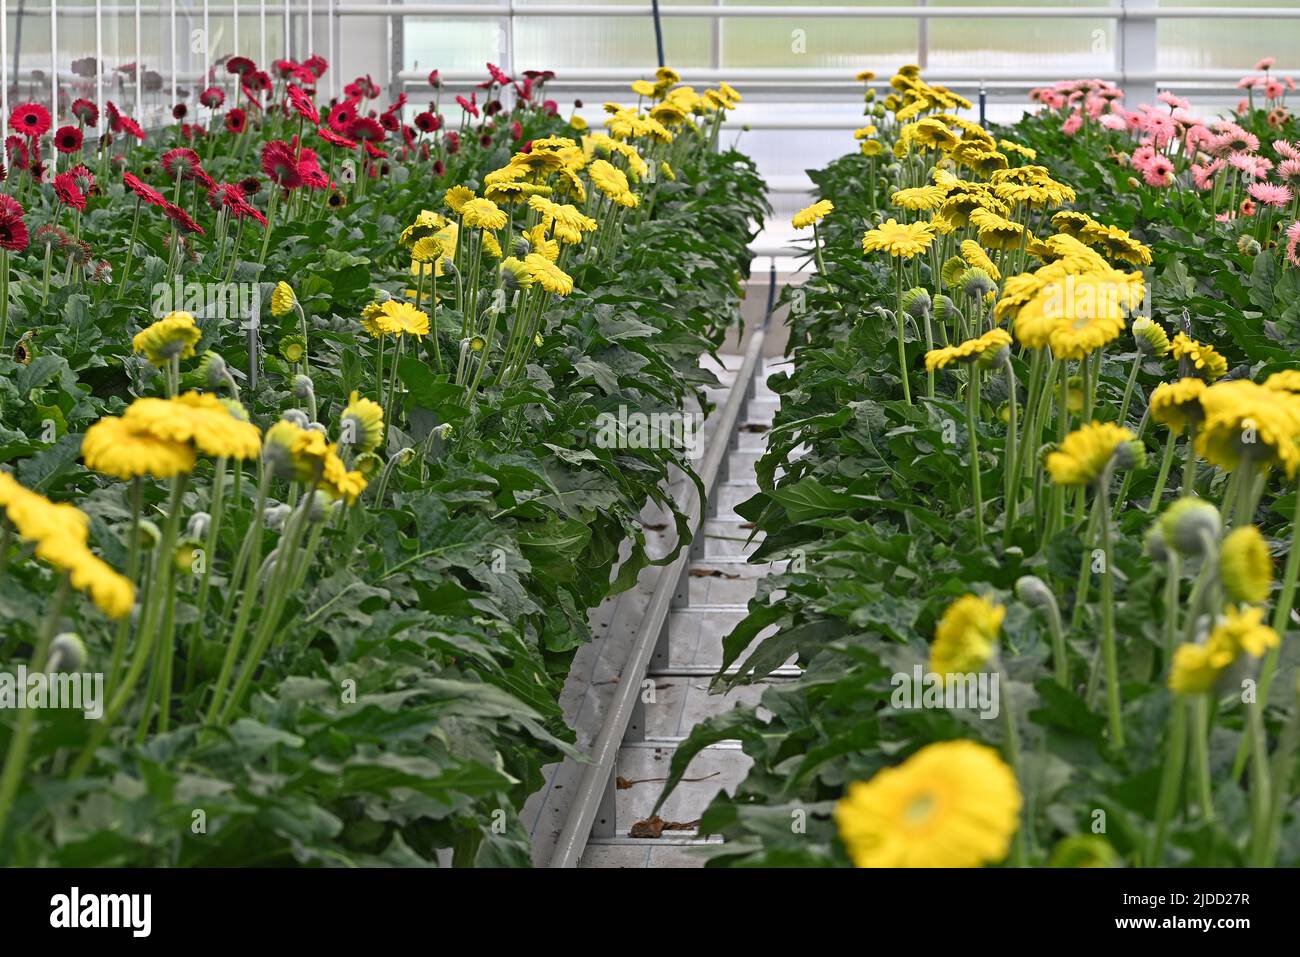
x,y
397,318
483,214
1288,380
1243,631
199,418
1246,421
282,299
919,198
898,239
174,336
1084,454
548,275
362,423
812,214
967,636
1204,358
457,197
1178,404
969,350
111,446
1245,566
975,256
952,804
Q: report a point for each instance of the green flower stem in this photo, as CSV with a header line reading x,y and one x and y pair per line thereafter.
x,y
392,381
1200,707
130,250
1109,654
144,641
1261,801
132,574
270,225
1011,744
1165,461
277,591
252,566
1282,610
216,510
898,321
21,739
972,415
1128,389
1171,778
1011,480
817,251
1189,467
1173,571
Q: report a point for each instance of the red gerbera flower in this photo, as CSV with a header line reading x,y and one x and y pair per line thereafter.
x,y
302,104
83,177
212,98
67,139
181,163
240,65
180,111
428,122
340,117
250,185
317,64
329,136
284,67
130,126
181,219
497,75
374,151
30,119
86,111
236,120
143,190
13,229
435,80
65,188
279,163
364,128
453,143
16,149
389,121
470,106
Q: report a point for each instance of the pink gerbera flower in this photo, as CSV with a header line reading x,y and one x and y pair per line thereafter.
x,y
1266,64
1159,172
1203,175
1273,89
1072,123
1293,241
1288,171
13,228
1286,150
1251,165
1270,194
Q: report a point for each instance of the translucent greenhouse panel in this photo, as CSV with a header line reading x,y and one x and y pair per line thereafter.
x,y
460,43
1061,47
573,43
1223,43
851,44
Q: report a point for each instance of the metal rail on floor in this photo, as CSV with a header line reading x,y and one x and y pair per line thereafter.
x,y
592,811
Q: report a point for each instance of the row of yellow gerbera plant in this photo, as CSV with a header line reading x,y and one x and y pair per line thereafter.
x,y
534,216
1010,267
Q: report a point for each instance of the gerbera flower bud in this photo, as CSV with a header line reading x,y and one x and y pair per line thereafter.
x,y
212,369
293,348
149,535
296,416
183,554
1190,523
1248,245
283,299
916,303
276,515
966,638
1131,455
945,310
1151,338
976,283
1156,547
1245,566
1083,850
320,509
67,654
173,336
362,424
1033,591
952,271
368,464
198,525
303,387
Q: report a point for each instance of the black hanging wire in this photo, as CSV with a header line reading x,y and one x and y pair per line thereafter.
x,y
659,31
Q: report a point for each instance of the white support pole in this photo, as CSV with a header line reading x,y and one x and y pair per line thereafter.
x,y
261,16
176,67
1136,52
99,64
310,47
54,70
139,69
234,12
4,64
288,32
207,50
333,47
